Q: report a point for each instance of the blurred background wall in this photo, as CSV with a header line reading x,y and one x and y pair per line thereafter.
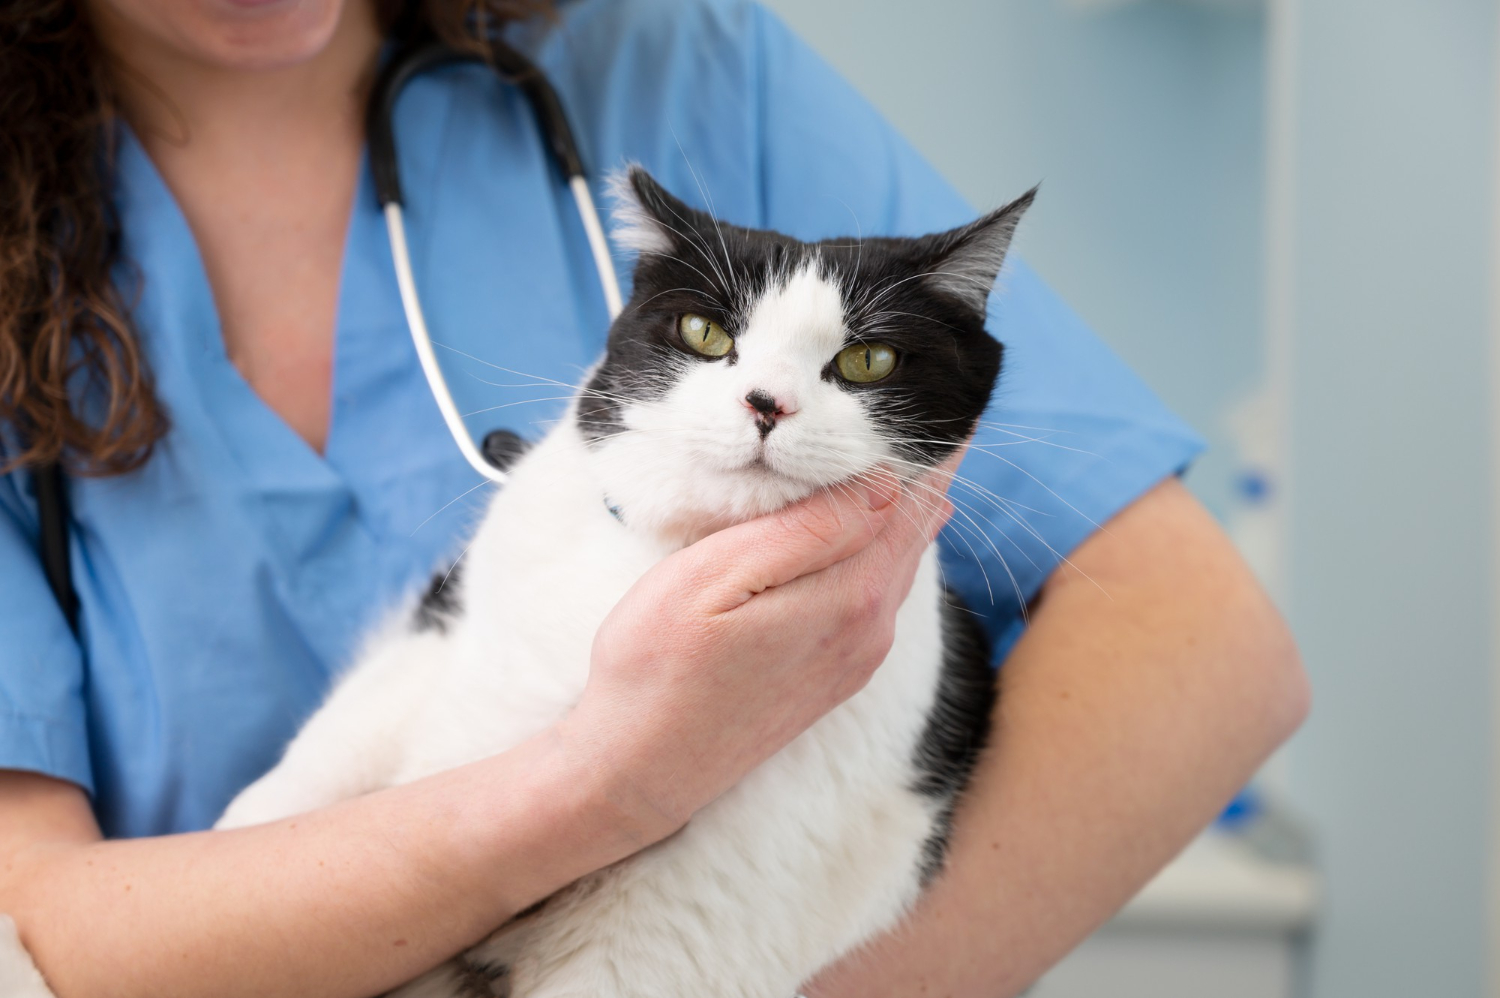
x,y
1283,214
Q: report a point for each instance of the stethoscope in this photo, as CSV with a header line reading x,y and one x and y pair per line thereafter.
x,y
409,61
511,66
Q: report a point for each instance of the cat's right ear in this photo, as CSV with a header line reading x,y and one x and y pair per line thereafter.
x,y
647,218
966,261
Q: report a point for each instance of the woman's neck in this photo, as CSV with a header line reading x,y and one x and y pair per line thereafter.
x,y
176,100
263,161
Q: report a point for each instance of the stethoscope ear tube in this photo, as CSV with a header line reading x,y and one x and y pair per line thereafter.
x,y
550,117
407,64
411,61
604,264
415,322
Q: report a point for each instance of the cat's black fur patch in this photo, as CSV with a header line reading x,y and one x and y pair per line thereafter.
x,y
482,980
958,727
534,909
442,602
924,297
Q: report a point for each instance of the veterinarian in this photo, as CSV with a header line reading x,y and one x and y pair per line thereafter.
x,y
199,317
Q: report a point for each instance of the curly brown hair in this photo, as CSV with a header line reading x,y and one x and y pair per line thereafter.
x,y
65,302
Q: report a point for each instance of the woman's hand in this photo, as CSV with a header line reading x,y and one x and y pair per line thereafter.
x,y
727,650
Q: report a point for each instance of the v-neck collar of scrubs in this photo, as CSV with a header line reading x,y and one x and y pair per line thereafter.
x,y
265,447
320,515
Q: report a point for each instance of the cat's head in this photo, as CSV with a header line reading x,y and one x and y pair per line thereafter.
x,y
749,369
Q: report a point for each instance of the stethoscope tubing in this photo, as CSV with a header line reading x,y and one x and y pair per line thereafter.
x,y
408,64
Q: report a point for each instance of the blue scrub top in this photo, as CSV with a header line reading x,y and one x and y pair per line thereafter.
x,y
226,583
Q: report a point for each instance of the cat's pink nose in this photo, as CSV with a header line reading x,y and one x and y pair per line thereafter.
x,y
767,409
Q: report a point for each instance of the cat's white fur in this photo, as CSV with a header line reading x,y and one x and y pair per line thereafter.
x,y
19,977
817,849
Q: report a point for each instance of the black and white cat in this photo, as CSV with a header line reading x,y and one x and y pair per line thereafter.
x,y
747,371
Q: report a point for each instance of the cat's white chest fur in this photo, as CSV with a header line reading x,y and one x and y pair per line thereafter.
x,y
549,562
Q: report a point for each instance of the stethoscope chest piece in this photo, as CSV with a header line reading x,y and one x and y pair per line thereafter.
x,y
502,448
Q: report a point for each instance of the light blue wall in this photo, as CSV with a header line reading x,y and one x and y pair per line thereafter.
x,y
1146,125
1143,125
1391,542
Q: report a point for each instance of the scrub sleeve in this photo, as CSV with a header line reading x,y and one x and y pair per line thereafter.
x,y
42,713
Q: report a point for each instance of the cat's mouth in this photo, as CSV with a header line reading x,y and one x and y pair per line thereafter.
x,y
765,468
759,468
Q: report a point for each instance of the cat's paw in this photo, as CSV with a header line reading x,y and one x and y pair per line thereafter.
x,y
460,978
260,802
237,816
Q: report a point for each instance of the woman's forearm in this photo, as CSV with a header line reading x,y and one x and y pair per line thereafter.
x,y
346,901
1129,713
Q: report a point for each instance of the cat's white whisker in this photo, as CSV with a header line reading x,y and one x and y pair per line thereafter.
x,y
450,502
696,291
707,197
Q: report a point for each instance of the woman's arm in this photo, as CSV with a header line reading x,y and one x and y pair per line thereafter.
x,y
349,900
1154,678
718,657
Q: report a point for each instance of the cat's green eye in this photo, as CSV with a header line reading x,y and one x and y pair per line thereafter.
x,y
704,336
865,362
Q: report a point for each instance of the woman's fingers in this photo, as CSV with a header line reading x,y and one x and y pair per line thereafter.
x,y
915,519
872,582
821,530
867,587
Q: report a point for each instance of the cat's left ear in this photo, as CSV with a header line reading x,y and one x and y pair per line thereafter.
x,y
647,217
964,262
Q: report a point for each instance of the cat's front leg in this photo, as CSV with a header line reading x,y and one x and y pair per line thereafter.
x,y
482,972
353,744
458,978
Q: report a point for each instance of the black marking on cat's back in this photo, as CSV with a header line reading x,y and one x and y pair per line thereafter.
x,y
442,602
958,727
